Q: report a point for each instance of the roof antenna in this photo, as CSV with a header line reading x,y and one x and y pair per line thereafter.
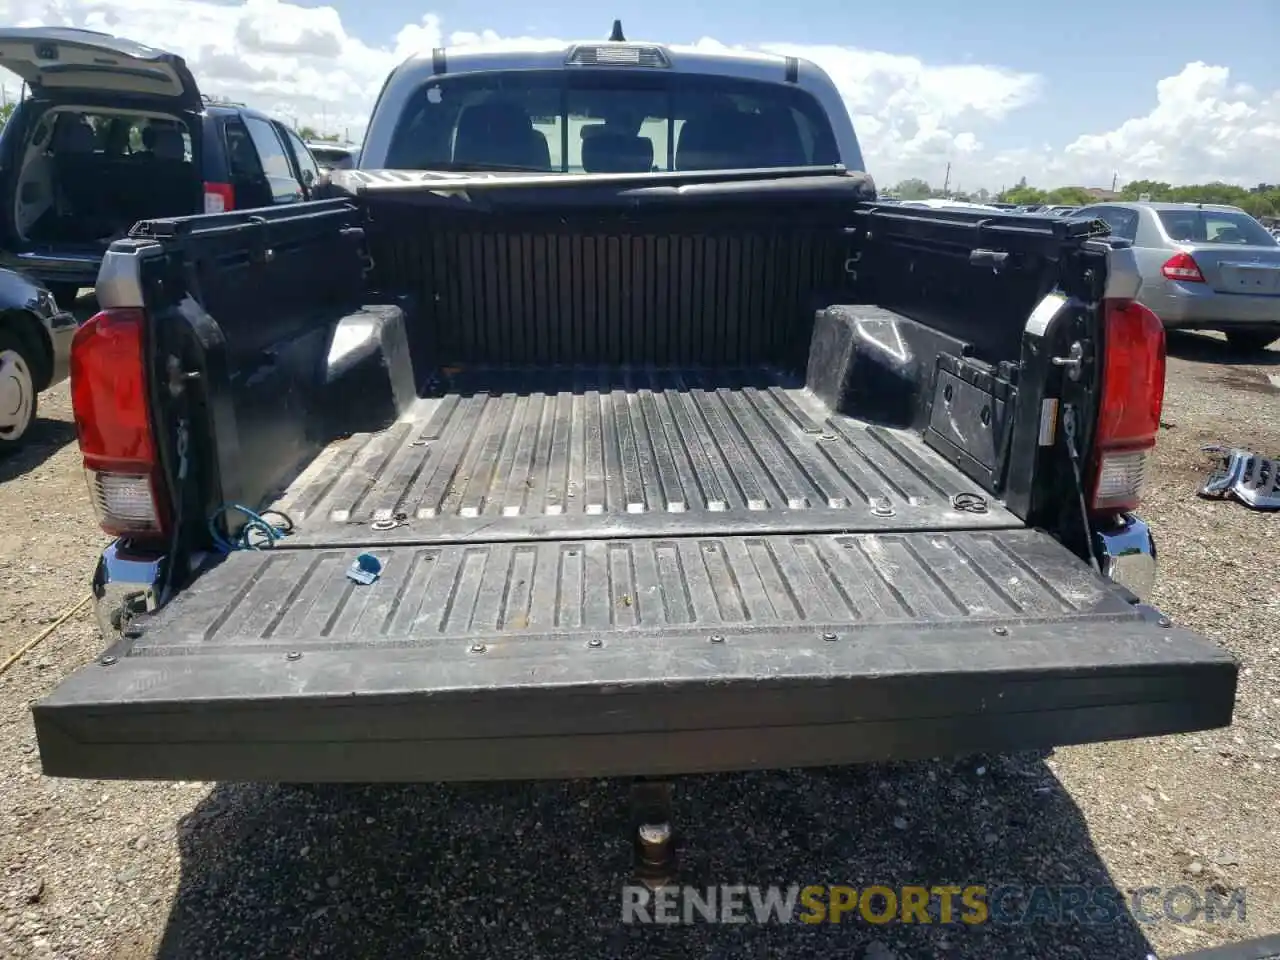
x,y
616,36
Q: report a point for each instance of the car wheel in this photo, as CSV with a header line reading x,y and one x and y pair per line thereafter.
x,y
1250,341
17,390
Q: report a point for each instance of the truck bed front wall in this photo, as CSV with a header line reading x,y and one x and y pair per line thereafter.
x,y
565,659
732,286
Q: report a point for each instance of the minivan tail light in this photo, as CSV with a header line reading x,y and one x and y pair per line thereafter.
x,y
113,425
219,197
1182,267
1133,371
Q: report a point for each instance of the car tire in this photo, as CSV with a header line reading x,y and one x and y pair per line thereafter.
x,y
18,395
1251,341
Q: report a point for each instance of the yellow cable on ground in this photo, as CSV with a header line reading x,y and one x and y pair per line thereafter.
x,y
44,633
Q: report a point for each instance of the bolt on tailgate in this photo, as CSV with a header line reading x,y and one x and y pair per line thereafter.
x,y
647,656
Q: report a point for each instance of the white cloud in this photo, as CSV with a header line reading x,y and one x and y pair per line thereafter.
x,y
301,63
912,117
1202,128
294,62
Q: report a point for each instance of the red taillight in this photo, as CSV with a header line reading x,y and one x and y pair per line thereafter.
x,y
219,197
1182,267
113,423
1132,397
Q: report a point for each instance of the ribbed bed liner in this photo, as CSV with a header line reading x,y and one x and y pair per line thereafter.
x,y
499,455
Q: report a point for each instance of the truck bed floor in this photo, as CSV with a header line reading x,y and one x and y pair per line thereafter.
x,y
497,455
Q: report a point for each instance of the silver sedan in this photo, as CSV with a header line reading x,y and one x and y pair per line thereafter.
x,y
1203,266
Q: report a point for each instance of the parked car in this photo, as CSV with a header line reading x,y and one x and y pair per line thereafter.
x,y
35,344
565,466
940,203
114,132
1203,266
1060,210
334,156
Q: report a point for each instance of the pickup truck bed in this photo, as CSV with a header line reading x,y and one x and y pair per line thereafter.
x,y
779,505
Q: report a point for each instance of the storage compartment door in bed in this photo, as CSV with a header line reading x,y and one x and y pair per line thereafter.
x,y
971,417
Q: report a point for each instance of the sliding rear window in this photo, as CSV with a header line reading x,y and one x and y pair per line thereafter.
x,y
619,121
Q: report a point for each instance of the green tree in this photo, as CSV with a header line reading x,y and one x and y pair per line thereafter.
x,y
1075,196
1022,194
1258,206
1136,188
312,135
1260,201
914,189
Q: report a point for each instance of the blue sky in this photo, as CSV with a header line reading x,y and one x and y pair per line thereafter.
x,y
1059,93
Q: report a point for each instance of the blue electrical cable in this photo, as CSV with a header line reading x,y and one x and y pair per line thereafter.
x,y
258,532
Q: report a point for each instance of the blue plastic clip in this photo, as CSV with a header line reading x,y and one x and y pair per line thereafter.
x,y
365,569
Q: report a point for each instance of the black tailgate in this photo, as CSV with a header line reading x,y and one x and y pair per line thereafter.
x,y
633,656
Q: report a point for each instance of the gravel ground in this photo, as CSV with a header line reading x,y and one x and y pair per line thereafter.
x,y
128,870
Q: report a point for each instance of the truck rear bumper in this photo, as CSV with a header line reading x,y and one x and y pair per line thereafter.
x,y
126,581
1126,551
509,661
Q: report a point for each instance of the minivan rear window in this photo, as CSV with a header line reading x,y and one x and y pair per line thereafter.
x,y
1215,226
609,122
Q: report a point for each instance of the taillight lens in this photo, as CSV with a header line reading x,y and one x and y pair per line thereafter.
x,y
1132,397
219,197
113,424
1183,268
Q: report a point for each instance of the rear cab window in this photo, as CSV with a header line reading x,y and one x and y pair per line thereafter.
x,y
1214,226
616,122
